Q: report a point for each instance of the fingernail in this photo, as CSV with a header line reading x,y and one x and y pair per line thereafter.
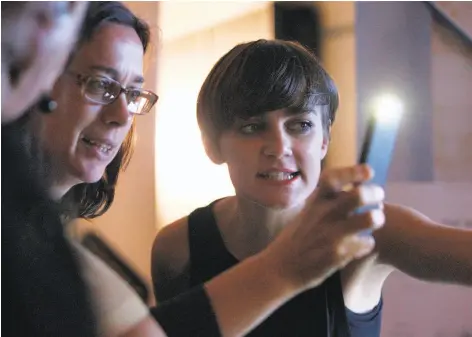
x,y
363,252
342,250
367,243
371,194
378,218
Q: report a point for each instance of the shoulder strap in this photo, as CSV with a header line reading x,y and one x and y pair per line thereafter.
x,y
208,253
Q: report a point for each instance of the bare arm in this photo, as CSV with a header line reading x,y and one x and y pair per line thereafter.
x,y
423,249
145,328
247,294
170,261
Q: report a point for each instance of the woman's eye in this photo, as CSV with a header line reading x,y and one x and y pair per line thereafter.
x,y
133,95
99,84
300,126
250,128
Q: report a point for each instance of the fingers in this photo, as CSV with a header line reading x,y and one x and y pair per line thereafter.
x,y
354,247
333,181
354,201
369,220
350,248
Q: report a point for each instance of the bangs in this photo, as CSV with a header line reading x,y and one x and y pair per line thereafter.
x,y
262,76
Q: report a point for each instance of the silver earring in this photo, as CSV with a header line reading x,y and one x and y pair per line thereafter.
x,y
46,104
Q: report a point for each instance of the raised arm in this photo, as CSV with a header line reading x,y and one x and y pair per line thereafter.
x,y
424,249
170,261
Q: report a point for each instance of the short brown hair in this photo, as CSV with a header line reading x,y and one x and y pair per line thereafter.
x,y
262,76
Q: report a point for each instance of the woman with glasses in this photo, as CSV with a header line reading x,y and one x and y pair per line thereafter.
x,y
88,138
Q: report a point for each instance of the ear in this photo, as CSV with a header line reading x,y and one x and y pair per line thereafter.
x,y
325,144
212,151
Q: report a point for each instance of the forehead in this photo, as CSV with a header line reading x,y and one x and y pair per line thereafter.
x,y
112,46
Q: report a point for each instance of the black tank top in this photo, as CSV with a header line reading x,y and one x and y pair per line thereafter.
x,y
318,312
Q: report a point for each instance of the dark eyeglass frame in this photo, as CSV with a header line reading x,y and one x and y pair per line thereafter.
x,y
82,79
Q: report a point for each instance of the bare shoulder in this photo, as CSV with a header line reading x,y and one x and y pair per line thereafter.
x,y
170,259
170,246
147,327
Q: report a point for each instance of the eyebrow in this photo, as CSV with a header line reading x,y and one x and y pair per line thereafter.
x,y
114,73
263,116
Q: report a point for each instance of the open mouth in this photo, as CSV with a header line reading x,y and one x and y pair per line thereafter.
x,y
102,147
279,176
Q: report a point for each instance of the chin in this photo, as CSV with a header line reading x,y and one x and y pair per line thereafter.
x,y
91,180
90,177
280,202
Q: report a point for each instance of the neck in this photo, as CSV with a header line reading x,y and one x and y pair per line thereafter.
x,y
58,191
59,181
60,184
55,178
254,226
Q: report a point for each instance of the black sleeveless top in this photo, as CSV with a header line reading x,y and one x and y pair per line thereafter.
x,y
318,312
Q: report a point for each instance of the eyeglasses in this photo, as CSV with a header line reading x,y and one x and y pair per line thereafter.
x,y
104,90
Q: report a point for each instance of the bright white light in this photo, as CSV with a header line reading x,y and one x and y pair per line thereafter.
x,y
388,109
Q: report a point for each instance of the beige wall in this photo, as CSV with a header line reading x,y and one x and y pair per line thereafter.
x,y
339,58
452,101
182,18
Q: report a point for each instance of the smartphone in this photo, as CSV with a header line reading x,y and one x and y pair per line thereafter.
x,y
379,145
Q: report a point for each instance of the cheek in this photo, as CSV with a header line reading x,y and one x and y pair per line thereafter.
x,y
309,154
56,134
127,133
241,163
244,153
62,127
66,92
73,111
